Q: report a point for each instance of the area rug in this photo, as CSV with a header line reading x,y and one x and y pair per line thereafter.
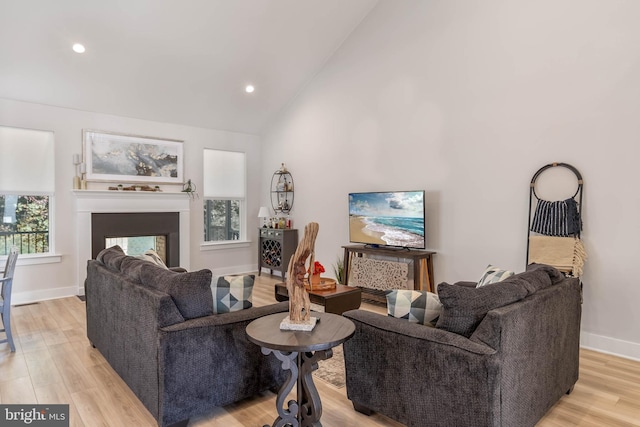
x,y
332,369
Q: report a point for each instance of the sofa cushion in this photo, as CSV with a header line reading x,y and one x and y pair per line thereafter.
x,y
540,276
232,293
112,257
493,274
415,306
465,307
132,267
190,291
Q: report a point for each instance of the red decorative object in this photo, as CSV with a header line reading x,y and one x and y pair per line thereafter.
x,y
317,269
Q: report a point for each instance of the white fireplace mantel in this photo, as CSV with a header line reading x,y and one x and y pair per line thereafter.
x,y
108,201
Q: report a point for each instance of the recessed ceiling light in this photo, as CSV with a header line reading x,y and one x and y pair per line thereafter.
x,y
78,48
249,88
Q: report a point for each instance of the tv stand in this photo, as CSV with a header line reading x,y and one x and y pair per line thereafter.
x,y
422,263
388,248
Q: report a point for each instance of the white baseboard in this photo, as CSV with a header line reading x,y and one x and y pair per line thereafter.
x,y
613,346
28,297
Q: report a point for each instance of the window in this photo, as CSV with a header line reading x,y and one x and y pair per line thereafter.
x,y
26,190
224,196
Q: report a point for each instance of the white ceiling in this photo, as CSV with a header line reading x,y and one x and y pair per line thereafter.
x,y
184,62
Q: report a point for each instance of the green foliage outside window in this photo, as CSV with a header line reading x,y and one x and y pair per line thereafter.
x,y
221,220
24,222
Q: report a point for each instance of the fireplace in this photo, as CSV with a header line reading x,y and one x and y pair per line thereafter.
x,y
130,213
162,228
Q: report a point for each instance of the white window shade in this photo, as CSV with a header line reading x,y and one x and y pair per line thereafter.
x,y
224,174
26,161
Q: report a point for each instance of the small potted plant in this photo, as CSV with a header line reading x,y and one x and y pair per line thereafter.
x,y
338,270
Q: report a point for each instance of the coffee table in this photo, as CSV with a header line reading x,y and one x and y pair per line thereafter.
x,y
299,353
336,301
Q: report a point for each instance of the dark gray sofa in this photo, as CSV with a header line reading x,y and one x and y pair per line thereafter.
x,y
156,329
500,355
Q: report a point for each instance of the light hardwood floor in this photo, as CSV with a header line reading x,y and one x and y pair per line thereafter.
x,y
54,363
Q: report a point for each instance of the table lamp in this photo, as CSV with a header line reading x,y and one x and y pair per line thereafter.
x,y
263,213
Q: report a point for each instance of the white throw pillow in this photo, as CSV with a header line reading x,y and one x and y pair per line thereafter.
x,y
152,256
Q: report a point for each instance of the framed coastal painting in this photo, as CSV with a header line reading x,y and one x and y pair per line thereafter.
x,y
118,157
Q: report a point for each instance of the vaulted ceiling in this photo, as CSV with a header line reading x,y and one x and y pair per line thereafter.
x,y
184,62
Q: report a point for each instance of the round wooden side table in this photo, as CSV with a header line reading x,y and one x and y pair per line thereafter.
x,y
299,353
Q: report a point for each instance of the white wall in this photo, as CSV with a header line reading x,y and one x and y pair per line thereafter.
x,y
37,282
467,100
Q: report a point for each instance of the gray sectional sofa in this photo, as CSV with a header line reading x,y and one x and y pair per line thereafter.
x,y
156,329
500,355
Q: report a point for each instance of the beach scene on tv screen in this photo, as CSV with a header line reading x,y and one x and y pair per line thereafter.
x,y
390,219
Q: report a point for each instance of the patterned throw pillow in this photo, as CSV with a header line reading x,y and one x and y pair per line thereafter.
x,y
415,306
232,293
493,275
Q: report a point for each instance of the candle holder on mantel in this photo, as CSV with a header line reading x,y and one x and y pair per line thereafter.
x,y
76,175
83,174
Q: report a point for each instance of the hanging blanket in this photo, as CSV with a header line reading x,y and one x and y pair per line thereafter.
x,y
567,254
558,218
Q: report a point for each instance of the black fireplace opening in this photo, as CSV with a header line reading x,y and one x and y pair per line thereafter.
x,y
162,227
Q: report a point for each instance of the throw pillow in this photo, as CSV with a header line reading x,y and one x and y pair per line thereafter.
x,y
152,256
190,291
493,274
232,293
415,306
112,257
464,308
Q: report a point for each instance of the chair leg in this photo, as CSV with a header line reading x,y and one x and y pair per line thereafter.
x,y
7,329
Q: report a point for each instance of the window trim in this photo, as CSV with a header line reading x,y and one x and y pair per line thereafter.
x,y
224,244
34,259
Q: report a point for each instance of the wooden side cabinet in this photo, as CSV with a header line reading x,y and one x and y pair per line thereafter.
x,y
275,249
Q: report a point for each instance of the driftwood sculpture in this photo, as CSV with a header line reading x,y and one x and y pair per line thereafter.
x,y
299,304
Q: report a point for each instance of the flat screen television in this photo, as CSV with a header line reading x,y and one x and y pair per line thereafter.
x,y
394,218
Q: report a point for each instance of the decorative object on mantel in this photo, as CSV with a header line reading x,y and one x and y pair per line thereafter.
x,y
83,176
114,157
120,187
79,174
190,188
76,178
299,318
